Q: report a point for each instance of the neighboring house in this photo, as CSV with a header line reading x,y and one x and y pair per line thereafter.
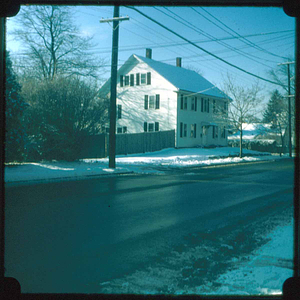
x,y
255,131
154,96
260,137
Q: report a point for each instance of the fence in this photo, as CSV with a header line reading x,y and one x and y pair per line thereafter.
x,y
97,146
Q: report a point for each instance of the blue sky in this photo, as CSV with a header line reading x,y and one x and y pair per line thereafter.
x,y
269,33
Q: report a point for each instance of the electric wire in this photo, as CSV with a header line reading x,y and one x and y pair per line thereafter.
x,y
243,39
247,55
204,50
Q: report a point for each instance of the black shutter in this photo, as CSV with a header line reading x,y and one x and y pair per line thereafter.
x,y
146,102
181,129
137,79
196,100
119,113
145,126
131,80
156,126
121,80
195,128
149,78
157,102
208,105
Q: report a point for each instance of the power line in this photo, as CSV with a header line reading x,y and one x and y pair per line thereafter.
x,y
185,39
247,55
243,39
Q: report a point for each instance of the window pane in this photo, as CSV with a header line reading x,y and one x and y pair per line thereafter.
x,y
151,127
143,78
151,102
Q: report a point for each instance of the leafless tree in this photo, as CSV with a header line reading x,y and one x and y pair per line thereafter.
x,y
243,105
280,75
53,44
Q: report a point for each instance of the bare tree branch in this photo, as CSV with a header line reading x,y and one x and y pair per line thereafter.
x,y
54,44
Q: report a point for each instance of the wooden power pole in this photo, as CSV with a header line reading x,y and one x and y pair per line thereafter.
x,y
289,104
113,84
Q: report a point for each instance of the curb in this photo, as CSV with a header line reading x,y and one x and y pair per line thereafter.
x,y
61,179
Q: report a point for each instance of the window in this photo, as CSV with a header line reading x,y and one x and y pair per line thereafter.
x,y
204,130
204,105
149,78
124,129
185,103
131,79
157,102
151,102
223,134
121,80
119,111
126,80
137,79
119,130
184,130
215,132
143,78
214,106
193,103
226,107
151,127
156,126
193,130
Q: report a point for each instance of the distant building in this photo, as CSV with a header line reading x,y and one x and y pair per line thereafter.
x,y
154,96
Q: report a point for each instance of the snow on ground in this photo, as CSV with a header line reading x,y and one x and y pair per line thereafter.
x,y
267,269
153,162
262,272
253,130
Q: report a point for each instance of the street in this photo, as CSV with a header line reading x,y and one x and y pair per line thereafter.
x,y
67,237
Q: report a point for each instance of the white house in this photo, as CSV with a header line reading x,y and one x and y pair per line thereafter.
x,y
154,96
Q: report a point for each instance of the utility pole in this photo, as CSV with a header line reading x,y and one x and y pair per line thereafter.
x,y
113,84
289,104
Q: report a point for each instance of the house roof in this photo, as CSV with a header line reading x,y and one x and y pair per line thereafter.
x,y
183,79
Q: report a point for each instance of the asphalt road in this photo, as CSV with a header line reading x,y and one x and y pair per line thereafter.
x,y
67,237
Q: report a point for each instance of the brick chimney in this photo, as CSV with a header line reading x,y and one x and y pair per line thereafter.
x,y
149,53
178,62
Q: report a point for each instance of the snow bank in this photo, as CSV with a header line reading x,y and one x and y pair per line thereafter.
x,y
154,162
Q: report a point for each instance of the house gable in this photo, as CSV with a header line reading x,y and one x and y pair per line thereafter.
x,y
184,79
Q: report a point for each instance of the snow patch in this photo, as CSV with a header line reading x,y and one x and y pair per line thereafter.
x,y
143,163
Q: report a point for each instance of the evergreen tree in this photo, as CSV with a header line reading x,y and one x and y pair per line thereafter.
x,y
275,108
15,107
276,114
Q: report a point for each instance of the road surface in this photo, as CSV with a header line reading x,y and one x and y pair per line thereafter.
x,y
67,237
